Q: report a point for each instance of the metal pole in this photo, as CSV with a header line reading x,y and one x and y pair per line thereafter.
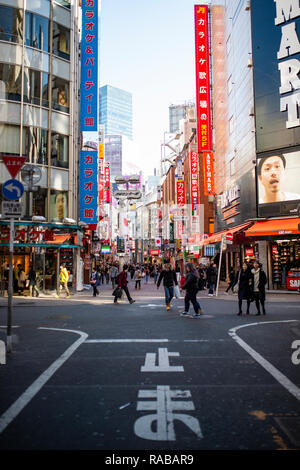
x,y
219,267
10,286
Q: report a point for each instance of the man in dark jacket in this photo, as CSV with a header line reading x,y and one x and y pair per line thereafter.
x,y
122,283
168,275
212,276
191,287
95,282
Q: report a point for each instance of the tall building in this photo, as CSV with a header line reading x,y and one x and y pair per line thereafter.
x,y
39,81
178,112
116,111
257,134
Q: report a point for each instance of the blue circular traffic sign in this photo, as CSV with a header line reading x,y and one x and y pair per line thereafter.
x,y
12,189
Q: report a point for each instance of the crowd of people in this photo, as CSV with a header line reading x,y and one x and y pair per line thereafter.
x,y
249,282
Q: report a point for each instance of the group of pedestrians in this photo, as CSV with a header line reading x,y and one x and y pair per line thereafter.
x,y
248,282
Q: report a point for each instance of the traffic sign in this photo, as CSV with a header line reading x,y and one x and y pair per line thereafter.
x,y
12,189
229,236
13,163
11,209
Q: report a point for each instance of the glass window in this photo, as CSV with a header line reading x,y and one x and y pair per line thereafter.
x,y
10,82
60,94
64,3
58,205
35,203
61,41
59,150
9,139
36,145
11,24
36,87
37,31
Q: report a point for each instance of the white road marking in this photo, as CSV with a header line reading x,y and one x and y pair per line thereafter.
x,y
164,406
2,353
282,379
163,362
127,341
12,412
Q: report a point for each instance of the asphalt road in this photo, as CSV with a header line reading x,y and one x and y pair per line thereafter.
x,y
86,374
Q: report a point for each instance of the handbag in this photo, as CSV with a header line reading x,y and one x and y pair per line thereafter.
x,y
177,292
117,292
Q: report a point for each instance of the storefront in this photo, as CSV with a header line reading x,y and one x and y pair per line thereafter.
x,y
41,246
278,242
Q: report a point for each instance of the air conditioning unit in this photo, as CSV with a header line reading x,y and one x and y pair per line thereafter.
x,y
251,111
250,63
247,6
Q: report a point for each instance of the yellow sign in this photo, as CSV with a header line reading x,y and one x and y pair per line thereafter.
x,y
101,151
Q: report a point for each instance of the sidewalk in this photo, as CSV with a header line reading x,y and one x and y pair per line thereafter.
x,y
148,291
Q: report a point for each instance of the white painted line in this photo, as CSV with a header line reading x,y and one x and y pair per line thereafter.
x,y
2,353
127,341
282,379
12,412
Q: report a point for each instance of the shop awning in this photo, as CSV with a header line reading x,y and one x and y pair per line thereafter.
x,y
217,237
59,239
271,227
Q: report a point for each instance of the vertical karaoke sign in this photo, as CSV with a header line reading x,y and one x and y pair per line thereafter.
x,y
89,111
203,104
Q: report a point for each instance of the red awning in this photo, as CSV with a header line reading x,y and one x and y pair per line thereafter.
x,y
269,227
217,237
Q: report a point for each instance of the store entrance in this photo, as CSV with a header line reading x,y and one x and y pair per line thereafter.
x,y
285,264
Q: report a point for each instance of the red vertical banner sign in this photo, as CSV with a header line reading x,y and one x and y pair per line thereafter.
x,y
194,179
106,183
203,104
180,193
209,182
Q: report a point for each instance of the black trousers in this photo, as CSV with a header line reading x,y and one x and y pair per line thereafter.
x,y
125,289
191,297
259,300
95,291
240,305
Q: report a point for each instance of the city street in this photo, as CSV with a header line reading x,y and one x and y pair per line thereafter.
x,y
86,374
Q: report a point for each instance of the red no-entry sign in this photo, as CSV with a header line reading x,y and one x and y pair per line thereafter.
x,y
229,236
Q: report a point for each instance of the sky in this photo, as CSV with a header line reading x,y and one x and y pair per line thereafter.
x,y
148,49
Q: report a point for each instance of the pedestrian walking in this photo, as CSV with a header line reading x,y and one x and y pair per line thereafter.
x,y
114,272
95,282
21,281
63,281
138,277
259,280
231,280
168,276
32,278
122,283
191,287
243,283
212,276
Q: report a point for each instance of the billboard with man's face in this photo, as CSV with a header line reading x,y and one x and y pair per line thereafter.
x,y
278,183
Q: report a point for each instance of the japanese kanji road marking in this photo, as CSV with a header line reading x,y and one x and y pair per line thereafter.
x,y
163,362
164,405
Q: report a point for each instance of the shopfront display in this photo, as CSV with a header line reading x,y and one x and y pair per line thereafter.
x,y
285,257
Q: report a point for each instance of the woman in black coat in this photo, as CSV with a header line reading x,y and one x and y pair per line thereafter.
x,y
244,281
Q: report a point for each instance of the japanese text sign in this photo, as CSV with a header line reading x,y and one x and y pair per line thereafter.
x,y
106,183
208,162
203,105
180,193
88,186
194,179
89,66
